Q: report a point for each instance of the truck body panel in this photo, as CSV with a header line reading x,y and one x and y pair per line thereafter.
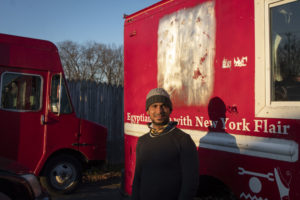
x,y
88,144
206,54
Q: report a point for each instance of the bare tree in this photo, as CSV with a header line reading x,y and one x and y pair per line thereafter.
x,y
92,61
112,67
70,58
119,73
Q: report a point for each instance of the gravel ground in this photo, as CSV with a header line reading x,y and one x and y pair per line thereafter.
x,y
106,186
95,187
93,192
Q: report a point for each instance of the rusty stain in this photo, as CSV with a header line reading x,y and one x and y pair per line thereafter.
x,y
198,19
197,74
132,34
203,58
130,20
232,109
207,35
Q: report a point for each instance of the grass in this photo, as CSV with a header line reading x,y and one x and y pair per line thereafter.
x,y
102,173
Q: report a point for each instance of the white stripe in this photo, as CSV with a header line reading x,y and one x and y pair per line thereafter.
x,y
273,148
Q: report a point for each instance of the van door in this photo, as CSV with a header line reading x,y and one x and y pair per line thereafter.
x,y
21,110
62,123
62,171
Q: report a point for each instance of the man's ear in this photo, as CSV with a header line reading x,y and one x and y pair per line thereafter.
x,y
147,112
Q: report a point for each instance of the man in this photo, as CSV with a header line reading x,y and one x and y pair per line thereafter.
x,y
166,157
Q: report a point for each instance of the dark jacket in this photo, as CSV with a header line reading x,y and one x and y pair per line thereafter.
x,y
166,167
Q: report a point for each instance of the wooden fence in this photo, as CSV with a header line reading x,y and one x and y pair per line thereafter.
x,y
103,104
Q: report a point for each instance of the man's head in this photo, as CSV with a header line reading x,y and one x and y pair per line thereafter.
x,y
158,106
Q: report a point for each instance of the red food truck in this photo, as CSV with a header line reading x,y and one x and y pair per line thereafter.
x,y
39,127
232,69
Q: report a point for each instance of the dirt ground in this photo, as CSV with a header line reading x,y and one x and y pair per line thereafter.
x,y
104,187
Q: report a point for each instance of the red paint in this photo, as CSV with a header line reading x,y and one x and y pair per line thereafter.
x,y
197,74
235,37
203,58
130,147
23,137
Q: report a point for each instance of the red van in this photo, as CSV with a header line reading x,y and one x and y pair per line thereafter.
x,y
232,69
39,127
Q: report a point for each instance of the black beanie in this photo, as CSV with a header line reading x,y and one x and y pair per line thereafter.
x,y
158,95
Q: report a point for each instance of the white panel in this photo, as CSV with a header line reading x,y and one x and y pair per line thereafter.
x,y
186,51
272,148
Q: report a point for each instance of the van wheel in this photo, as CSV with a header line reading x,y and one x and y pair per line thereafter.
x,y
62,175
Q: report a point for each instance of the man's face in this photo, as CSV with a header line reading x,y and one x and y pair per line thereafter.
x,y
159,114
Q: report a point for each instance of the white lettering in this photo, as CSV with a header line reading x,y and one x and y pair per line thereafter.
x,y
185,121
285,127
279,127
207,123
224,121
266,124
240,62
199,121
135,119
245,125
238,126
232,126
263,125
272,128
213,124
226,64
128,116
258,125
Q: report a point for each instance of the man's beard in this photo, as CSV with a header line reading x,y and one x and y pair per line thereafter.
x,y
160,123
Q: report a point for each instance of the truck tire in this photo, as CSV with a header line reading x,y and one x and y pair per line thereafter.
x,y
211,188
218,195
62,174
212,197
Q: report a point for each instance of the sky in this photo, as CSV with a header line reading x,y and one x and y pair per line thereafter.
x,y
80,21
